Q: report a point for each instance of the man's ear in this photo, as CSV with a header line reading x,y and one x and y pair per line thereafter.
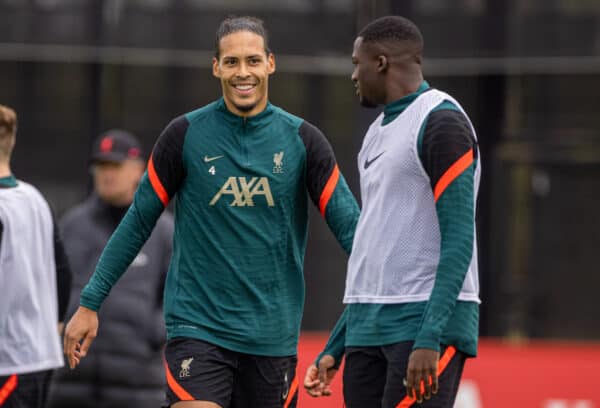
x,y
215,64
270,63
382,63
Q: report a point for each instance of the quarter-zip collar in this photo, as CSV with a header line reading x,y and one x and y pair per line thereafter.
x,y
250,122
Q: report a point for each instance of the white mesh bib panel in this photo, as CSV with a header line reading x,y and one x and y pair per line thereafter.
x,y
29,300
396,247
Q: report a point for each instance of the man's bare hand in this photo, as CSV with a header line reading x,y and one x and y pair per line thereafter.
x,y
79,335
421,374
317,381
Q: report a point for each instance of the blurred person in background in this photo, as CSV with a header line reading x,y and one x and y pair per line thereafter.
x,y
35,280
125,369
412,289
242,171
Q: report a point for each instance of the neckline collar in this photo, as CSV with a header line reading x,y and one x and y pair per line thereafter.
x,y
8,181
255,120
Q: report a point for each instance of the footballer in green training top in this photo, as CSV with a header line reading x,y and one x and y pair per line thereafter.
x,y
241,171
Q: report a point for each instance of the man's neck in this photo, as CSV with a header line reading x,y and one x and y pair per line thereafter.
x,y
259,108
401,91
403,84
4,170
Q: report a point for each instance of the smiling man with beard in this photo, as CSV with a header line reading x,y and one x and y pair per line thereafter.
x,y
241,171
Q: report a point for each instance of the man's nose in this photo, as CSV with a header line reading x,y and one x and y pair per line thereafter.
x,y
243,70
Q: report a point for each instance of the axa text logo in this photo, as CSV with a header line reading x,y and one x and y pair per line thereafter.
x,y
244,191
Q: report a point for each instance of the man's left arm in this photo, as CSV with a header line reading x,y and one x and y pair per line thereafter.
x,y
449,155
330,193
327,187
320,374
448,152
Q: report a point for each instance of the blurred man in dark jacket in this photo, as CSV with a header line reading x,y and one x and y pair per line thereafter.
x,y
125,369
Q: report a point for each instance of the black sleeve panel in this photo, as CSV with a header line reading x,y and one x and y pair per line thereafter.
x,y
167,155
64,276
447,137
1,230
320,160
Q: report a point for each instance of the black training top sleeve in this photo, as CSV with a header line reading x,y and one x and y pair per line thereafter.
x,y
166,162
447,137
320,160
162,180
449,157
64,276
327,187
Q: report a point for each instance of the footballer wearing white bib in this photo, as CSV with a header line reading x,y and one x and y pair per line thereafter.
x,y
412,290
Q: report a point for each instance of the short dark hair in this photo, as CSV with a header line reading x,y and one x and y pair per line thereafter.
x,y
234,24
8,129
8,120
392,28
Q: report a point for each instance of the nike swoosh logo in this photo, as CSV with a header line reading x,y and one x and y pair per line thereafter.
x,y
209,159
369,162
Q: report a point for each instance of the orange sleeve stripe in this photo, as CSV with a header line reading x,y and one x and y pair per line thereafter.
x,y
9,386
182,394
452,173
156,184
329,189
293,390
445,359
443,363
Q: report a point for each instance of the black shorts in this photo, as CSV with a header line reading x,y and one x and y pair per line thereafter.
x,y
373,377
25,390
198,370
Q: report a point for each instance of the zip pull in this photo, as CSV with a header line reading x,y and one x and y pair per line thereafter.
x,y
243,141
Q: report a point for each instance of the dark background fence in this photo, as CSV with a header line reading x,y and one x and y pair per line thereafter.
x,y
527,72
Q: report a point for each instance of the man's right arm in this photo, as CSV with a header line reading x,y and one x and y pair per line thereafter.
x,y
319,375
159,184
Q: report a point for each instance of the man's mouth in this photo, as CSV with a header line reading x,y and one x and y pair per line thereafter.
x,y
244,88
